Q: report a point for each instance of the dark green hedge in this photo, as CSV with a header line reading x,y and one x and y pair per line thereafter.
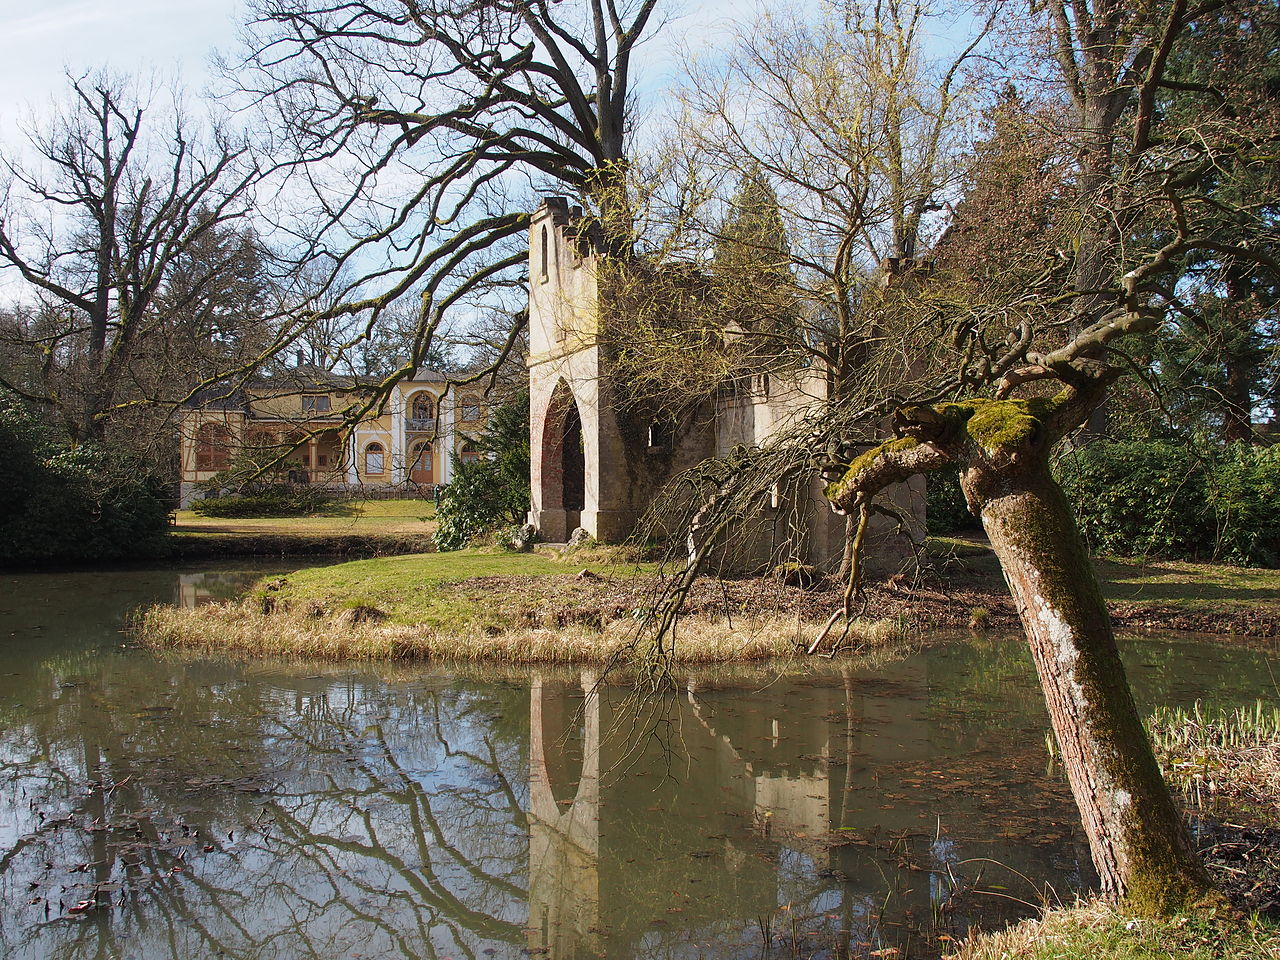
x,y
60,503
1151,498
1177,501
276,501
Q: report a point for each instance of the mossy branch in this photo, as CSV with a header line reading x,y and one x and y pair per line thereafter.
x,y
891,462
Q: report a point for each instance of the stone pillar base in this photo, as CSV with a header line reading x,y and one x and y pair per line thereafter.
x,y
551,525
608,526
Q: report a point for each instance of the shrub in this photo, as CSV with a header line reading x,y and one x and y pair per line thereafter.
x,y
1162,499
1245,492
71,503
493,491
1137,498
281,500
945,508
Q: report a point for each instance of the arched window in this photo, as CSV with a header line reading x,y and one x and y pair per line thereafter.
x,y
373,458
544,252
423,409
467,453
260,440
470,408
213,447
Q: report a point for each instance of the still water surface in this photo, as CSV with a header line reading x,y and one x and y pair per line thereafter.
x,y
172,807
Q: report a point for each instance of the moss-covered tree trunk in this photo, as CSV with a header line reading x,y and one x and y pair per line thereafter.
x,y
1136,835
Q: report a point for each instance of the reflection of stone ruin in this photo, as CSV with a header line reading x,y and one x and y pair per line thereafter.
x,y
758,809
744,788
598,466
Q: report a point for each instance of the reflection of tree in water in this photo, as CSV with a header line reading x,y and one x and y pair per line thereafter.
x,y
415,828
382,839
278,815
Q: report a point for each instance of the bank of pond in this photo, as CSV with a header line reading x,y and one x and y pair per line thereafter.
x,y
171,804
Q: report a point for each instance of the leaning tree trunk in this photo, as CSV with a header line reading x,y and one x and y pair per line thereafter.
x,y
1136,834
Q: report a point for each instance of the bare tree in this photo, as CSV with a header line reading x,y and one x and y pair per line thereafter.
x,y
421,133
99,225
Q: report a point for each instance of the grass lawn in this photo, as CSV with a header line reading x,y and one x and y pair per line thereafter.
x,y
1162,583
428,589
345,518
1190,585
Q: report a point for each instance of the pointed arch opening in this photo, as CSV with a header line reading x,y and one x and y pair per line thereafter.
x,y
563,460
561,729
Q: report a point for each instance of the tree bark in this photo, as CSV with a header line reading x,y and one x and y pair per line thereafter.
x,y
1136,835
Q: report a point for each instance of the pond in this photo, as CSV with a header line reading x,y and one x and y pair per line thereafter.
x,y
175,807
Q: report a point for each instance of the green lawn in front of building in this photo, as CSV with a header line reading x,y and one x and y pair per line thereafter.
x,y
342,518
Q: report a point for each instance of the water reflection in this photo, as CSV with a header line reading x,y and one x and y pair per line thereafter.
x,y
171,808
810,810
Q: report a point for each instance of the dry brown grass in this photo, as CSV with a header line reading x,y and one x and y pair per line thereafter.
x,y
241,628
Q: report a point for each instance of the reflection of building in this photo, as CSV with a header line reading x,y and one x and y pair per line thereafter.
x,y
597,463
614,854
299,418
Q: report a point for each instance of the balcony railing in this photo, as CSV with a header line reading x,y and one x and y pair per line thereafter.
x,y
420,424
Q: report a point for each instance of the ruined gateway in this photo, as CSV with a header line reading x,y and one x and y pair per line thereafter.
x,y
598,468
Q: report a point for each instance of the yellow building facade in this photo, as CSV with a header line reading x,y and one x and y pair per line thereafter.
x,y
298,425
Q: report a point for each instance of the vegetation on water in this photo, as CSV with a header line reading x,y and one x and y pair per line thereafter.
x,y
1221,755
65,502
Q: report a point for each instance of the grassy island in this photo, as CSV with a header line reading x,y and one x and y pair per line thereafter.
x,y
574,606
489,605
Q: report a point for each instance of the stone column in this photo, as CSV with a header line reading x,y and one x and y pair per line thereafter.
x,y
398,465
445,413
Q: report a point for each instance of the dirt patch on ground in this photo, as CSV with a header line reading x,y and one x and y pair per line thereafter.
x,y
955,603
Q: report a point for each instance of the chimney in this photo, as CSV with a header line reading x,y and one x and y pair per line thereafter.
x,y
299,358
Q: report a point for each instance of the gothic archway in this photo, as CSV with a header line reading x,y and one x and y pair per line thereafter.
x,y
562,458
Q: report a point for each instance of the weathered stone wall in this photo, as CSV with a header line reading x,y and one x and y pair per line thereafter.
x,y
623,469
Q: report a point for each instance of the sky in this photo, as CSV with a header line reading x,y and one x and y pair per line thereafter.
x,y
42,38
